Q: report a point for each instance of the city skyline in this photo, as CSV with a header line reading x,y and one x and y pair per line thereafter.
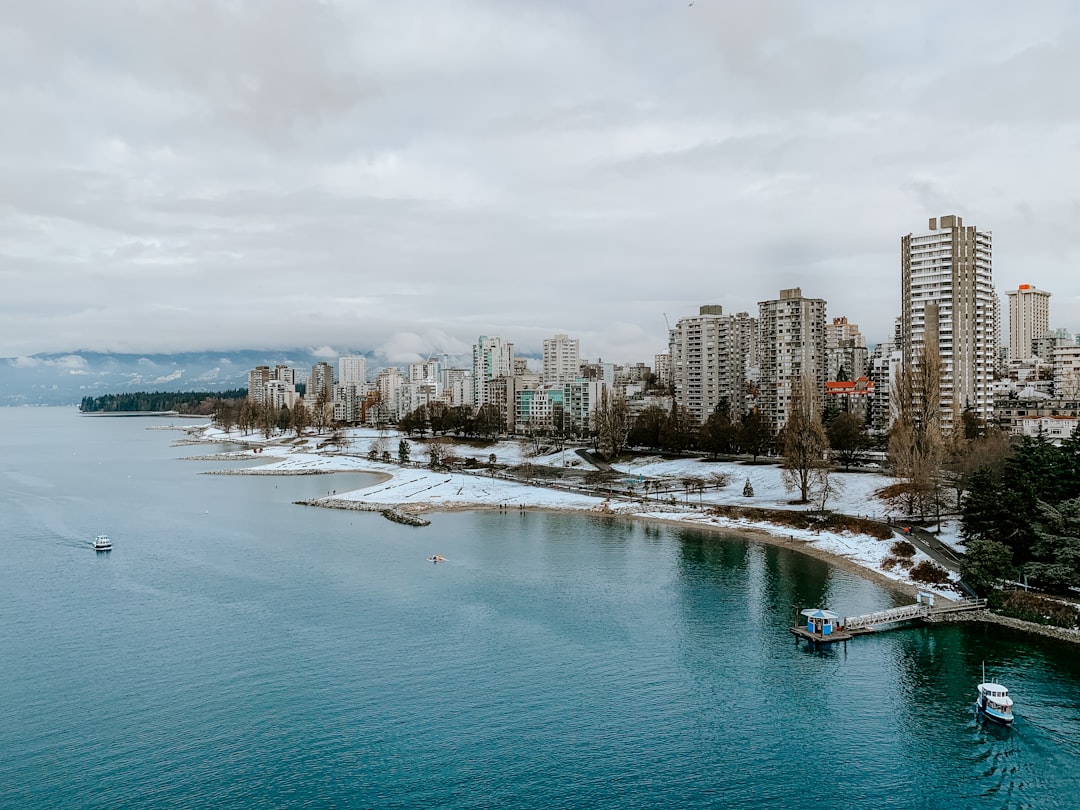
x,y
400,180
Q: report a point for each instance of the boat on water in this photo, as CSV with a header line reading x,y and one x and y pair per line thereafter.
x,y
436,558
103,543
993,702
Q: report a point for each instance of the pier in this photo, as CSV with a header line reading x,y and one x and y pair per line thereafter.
x,y
826,627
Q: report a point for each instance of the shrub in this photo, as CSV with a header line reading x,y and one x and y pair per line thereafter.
x,y
930,573
902,548
1030,607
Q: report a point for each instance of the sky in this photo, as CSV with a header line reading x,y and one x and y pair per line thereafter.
x,y
401,178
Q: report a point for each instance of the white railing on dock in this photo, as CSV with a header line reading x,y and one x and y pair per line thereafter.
x,y
886,616
920,610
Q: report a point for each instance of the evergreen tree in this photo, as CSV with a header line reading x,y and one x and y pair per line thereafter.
x,y
985,563
1057,545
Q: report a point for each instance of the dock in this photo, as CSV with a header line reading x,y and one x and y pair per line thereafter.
x,y
849,627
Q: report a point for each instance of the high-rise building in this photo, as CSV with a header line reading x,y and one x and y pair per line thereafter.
x,y
321,381
948,300
885,362
846,356
710,354
791,345
562,359
1029,320
492,358
352,369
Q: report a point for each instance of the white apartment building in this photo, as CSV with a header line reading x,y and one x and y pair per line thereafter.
x,y
492,358
1067,371
457,386
562,359
1029,320
791,345
948,297
352,369
260,378
710,357
391,404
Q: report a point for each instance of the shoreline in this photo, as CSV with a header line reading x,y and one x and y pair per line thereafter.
x,y
412,490
750,533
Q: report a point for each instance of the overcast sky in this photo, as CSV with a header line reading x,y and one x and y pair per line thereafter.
x,y
402,177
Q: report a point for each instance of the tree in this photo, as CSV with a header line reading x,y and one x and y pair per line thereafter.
x,y
754,436
718,433
322,412
377,449
612,424
267,420
985,563
646,428
1057,547
916,447
300,418
971,451
438,413
403,450
415,422
805,465
489,421
437,451
677,433
847,438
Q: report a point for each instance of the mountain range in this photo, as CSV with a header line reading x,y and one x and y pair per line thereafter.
x,y
64,379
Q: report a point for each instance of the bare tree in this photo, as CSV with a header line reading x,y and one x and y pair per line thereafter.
x,y
612,420
916,445
805,465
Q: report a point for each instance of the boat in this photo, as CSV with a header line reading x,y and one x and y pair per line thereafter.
x,y
994,702
103,543
436,558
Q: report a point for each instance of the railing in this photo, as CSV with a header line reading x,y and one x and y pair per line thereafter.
x,y
886,616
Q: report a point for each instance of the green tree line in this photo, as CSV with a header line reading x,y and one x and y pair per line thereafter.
x,y
193,402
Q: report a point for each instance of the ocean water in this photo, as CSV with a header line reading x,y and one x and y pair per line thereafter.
x,y
236,650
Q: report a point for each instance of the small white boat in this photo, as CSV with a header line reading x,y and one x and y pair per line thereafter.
x,y
103,543
994,702
436,558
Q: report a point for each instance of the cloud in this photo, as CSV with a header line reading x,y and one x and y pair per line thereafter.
x,y
72,362
279,174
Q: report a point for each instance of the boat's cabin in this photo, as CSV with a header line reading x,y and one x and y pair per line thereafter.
x,y
996,695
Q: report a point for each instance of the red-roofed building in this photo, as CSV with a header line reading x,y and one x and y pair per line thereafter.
x,y
851,396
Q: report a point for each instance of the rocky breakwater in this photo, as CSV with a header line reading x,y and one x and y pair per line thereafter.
x,y
389,512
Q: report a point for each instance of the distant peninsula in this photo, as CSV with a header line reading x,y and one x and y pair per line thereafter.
x,y
196,403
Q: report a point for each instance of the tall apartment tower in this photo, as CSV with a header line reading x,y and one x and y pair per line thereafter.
x,y
846,356
791,344
948,298
492,358
1029,320
321,380
562,359
352,370
710,355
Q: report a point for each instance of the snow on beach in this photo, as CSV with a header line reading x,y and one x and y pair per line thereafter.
x,y
419,489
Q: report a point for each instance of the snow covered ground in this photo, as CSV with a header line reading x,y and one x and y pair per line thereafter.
x,y
415,488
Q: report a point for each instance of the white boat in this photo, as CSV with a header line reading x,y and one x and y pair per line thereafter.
x,y
994,702
103,543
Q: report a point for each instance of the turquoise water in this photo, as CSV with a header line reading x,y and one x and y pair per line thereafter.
x,y
236,650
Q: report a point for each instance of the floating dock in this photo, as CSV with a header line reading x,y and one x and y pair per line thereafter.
x,y
826,627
